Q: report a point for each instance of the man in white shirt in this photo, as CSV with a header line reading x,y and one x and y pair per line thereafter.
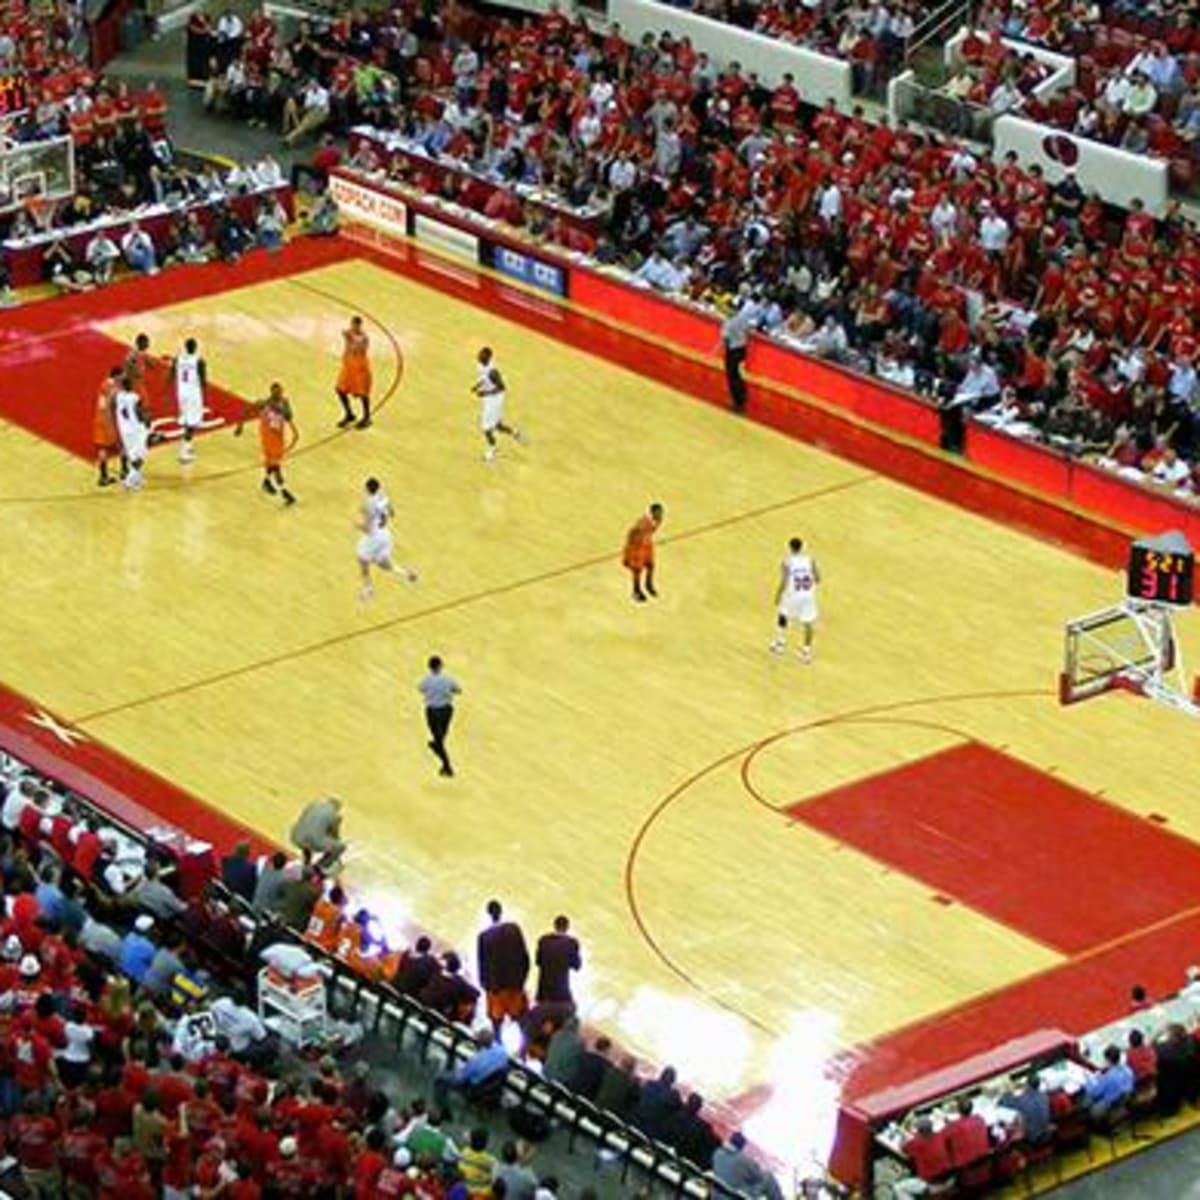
x,y
466,72
661,274
980,386
307,115
944,217
138,250
993,229
229,30
829,206
101,256
622,174
1170,470
1141,98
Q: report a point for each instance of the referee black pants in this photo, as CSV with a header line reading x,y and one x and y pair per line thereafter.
x,y
438,720
734,357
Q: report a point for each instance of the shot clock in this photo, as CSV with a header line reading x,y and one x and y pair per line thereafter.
x,y
1160,570
14,95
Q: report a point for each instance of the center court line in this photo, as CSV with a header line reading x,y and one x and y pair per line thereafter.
x,y
458,602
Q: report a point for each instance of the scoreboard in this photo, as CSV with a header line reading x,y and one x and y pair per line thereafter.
x,y
1160,570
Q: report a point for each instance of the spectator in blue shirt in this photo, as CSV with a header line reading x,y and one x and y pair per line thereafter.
x,y
1112,1087
137,950
49,895
489,1061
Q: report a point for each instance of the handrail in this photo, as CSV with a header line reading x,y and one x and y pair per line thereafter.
x,y
952,11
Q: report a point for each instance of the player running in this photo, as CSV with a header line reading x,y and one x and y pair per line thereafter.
x,y
375,545
191,378
489,387
796,598
105,437
354,379
639,551
274,421
134,431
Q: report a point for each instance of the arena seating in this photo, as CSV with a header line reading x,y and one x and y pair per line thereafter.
x,y
886,249
126,170
124,1005
96,925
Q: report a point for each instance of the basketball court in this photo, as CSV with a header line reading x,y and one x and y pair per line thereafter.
x,y
786,878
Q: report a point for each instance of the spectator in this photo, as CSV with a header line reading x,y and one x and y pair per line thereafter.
x,y
1140,1058
164,966
477,1168
657,1104
137,950
967,1135
691,1134
1111,1087
520,1180
305,113
735,1168
1034,1106
564,1054
238,872
101,256
477,1073
137,248
298,899
156,897
271,885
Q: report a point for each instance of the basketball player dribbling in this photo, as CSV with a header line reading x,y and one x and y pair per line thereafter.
x,y
796,599
190,377
354,379
489,387
375,544
105,438
274,421
638,557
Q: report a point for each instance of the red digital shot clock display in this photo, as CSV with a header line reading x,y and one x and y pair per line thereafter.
x,y
1161,570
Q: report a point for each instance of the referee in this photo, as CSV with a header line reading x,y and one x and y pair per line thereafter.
x,y
439,690
735,336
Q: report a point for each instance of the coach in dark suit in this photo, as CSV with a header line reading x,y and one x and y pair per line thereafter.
x,y
557,956
503,967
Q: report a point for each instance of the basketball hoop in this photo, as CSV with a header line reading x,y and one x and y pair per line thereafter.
x,y
1132,646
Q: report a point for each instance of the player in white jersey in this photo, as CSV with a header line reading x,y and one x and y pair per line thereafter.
x,y
189,376
375,544
134,432
489,387
796,598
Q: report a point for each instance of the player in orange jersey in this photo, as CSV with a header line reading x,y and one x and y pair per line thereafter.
x,y
105,437
140,366
354,379
274,422
639,551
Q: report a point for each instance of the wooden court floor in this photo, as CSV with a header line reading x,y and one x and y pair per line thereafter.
x,y
602,747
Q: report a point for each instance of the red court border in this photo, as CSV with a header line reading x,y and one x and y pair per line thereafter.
x,y
1077,995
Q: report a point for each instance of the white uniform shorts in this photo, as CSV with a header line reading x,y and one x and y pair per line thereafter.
x,y
375,547
491,412
191,409
134,440
800,607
